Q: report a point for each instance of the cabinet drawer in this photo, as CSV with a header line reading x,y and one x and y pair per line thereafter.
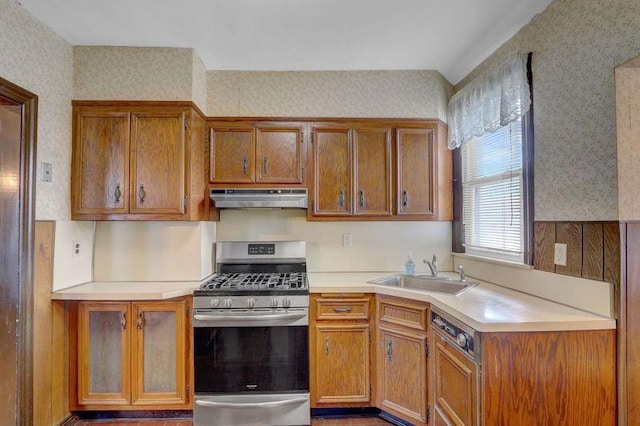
x,y
342,309
404,313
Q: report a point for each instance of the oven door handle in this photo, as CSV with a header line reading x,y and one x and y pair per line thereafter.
x,y
269,404
200,317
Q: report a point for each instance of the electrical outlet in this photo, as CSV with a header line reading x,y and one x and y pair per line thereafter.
x,y
47,170
560,254
76,248
347,240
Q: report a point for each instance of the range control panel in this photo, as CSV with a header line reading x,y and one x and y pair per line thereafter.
x,y
463,337
261,249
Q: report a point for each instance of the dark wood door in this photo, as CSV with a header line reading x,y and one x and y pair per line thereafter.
x,y
342,363
415,171
158,162
100,171
332,160
455,385
232,155
372,152
403,359
279,155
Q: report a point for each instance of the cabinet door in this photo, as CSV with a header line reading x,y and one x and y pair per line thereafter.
x,y
342,366
103,353
160,354
455,384
415,171
279,155
403,374
372,151
158,162
100,161
231,155
332,193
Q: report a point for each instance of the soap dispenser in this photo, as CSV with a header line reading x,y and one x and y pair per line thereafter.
x,y
410,265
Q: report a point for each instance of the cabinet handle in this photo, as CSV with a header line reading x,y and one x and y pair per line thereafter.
x,y
118,193
341,197
123,321
345,309
405,198
245,164
362,197
326,346
142,193
266,165
140,320
389,349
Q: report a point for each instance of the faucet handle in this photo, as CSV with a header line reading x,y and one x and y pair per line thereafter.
x,y
463,277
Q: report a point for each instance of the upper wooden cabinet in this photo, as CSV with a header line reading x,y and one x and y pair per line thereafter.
x,y
253,153
352,171
137,161
415,148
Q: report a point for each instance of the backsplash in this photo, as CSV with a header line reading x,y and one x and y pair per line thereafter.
x,y
377,246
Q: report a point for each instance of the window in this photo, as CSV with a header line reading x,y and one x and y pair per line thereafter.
x,y
493,194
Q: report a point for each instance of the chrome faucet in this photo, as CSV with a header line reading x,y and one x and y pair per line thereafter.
x,y
433,265
463,277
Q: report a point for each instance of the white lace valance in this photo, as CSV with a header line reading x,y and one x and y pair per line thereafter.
x,y
496,98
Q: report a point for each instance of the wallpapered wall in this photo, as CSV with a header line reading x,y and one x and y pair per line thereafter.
x,y
37,59
412,94
199,83
576,45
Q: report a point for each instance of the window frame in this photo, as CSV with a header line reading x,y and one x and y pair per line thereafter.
x,y
527,186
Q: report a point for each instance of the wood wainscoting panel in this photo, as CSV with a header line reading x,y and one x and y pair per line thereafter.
x,y
549,378
571,235
611,233
592,251
544,241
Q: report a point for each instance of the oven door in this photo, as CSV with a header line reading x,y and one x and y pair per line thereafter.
x,y
251,351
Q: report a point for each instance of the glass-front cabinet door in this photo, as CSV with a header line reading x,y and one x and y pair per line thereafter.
x,y
103,353
159,372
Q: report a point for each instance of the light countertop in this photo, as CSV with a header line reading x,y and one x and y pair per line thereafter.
x,y
486,307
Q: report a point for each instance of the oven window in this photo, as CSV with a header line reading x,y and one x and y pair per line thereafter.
x,y
251,359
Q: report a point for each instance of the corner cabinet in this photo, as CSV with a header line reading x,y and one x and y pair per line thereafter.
x,y
137,162
340,351
130,355
402,359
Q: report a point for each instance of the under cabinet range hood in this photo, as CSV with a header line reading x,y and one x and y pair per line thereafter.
x,y
240,198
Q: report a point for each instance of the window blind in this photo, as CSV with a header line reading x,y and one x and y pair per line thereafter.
x,y
492,193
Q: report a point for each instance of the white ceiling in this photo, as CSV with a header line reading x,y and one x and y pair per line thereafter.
x,y
451,36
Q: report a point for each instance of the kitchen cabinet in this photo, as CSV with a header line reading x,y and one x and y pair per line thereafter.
x,y
137,161
455,384
352,171
402,359
248,152
130,355
340,355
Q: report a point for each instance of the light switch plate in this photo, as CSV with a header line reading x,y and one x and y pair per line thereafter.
x,y
347,240
560,254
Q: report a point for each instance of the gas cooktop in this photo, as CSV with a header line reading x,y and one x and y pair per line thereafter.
x,y
256,282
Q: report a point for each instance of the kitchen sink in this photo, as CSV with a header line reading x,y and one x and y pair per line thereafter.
x,y
426,283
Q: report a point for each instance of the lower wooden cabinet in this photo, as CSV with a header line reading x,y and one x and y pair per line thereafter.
x,y
130,355
340,351
402,359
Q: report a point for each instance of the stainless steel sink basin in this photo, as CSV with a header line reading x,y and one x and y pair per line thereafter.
x,y
426,283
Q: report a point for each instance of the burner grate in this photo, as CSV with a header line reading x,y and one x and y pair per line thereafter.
x,y
257,281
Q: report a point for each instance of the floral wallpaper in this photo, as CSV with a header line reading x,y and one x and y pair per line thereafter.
x,y
410,94
37,59
576,45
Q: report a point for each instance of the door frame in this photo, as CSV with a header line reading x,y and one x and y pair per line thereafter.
x,y
26,189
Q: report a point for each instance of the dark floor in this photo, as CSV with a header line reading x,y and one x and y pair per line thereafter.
x,y
360,421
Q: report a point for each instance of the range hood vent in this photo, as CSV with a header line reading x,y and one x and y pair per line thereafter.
x,y
234,198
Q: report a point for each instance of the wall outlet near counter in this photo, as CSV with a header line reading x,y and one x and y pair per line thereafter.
x,y
76,248
560,254
347,240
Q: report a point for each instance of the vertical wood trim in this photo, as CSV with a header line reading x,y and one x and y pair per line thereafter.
x,y
632,321
593,251
612,251
60,364
42,323
545,238
571,235
622,330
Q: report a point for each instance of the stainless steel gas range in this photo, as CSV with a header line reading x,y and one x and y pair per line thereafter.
x,y
251,333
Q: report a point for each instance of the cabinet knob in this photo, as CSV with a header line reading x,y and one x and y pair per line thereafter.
x,y
326,346
266,165
245,164
342,197
362,198
142,194
389,349
118,193
405,198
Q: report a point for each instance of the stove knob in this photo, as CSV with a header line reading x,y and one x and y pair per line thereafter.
x,y
286,302
273,302
228,303
251,302
461,339
214,303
